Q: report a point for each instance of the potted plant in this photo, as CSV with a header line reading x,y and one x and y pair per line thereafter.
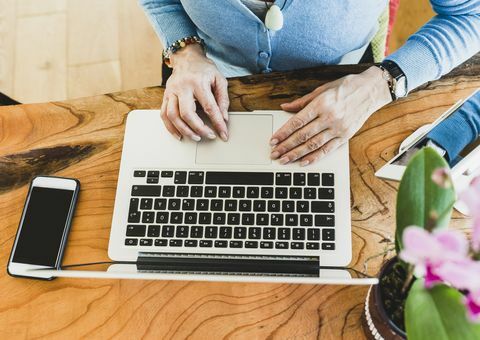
x,y
431,288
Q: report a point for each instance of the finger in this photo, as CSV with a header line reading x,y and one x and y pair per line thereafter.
x,y
220,91
330,146
295,123
300,103
311,145
173,115
189,115
166,121
209,105
298,138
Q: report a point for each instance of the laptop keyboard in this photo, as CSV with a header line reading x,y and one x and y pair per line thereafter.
x,y
214,209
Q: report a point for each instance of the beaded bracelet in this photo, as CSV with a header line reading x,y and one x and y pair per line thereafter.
x,y
178,45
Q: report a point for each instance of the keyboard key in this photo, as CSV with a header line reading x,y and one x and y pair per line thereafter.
x,y
224,192
152,180
176,243
248,219
269,233
167,231
225,232
134,202
206,243
323,207
288,206
174,204
238,192
259,205
276,219
298,234
190,218
313,234
230,205
182,191
245,205
202,205
239,178
236,244
310,193
182,231
296,245
251,244
196,191
146,242
328,234
280,192
196,232
180,177
262,219
283,178
205,218
281,245
306,220
219,218
162,217
146,204
211,232
254,233
161,242
291,220
253,192
299,179
326,193
221,244
273,206
160,204
188,204
210,191
267,192
196,177
146,190
216,205
313,245
324,220
148,217
190,243
266,245
284,233
167,174
328,246
303,206
168,191
136,230
240,232
131,241
153,173
139,173
134,217
313,179
295,193
176,218
233,219
328,180
153,231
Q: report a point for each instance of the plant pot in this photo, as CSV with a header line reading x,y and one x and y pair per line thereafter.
x,y
375,320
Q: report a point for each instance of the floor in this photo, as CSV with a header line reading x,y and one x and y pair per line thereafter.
x,y
59,49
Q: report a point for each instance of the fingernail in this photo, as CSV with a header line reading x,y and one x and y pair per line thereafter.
x,y
282,105
224,136
274,142
211,135
275,155
284,160
304,163
225,116
196,138
178,137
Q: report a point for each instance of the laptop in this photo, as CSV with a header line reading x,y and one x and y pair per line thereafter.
x,y
217,210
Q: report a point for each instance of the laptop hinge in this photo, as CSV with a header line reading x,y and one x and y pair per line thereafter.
x,y
229,264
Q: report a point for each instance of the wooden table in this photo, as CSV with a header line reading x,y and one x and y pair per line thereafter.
x,y
82,138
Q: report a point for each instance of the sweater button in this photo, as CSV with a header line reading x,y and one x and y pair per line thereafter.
x,y
263,54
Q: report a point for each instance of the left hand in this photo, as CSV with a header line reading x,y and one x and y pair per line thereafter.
x,y
329,116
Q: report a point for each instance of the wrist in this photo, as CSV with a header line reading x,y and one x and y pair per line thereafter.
x,y
187,54
380,86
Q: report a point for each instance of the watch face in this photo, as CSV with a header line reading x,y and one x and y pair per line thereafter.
x,y
401,87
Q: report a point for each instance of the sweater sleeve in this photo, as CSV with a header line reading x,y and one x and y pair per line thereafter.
x,y
447,40
169,20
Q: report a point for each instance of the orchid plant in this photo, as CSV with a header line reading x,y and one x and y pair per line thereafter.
x,y
443,266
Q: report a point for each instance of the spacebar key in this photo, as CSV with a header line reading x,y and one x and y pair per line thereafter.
x,y
239,178
146,190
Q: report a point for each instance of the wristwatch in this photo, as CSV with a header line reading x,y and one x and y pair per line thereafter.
x,y
396,79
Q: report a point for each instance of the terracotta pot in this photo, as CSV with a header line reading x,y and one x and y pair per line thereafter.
x,y
376,323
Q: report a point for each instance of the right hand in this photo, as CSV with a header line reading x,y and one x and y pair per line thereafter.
x,y
195,78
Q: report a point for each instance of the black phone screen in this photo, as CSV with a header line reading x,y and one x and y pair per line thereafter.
x,y
43,226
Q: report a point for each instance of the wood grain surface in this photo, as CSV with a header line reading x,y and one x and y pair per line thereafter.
x,y
83,139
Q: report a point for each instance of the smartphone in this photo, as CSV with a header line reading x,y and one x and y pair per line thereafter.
x,y
44,227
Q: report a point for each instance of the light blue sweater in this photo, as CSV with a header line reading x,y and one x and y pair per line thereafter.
x,y
316,32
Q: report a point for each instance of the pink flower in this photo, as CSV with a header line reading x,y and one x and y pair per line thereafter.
x,y
431,279
472,303
441,177
471,198
461,274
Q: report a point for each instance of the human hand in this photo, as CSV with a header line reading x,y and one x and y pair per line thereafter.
x,y
329,116
195,78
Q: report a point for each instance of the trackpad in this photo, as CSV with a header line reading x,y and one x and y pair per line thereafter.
x,y
248,142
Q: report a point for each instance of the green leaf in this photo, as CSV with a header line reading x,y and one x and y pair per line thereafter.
x,y
418,196
437,313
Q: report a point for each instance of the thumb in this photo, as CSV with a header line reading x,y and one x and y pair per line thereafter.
x,y
298,103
